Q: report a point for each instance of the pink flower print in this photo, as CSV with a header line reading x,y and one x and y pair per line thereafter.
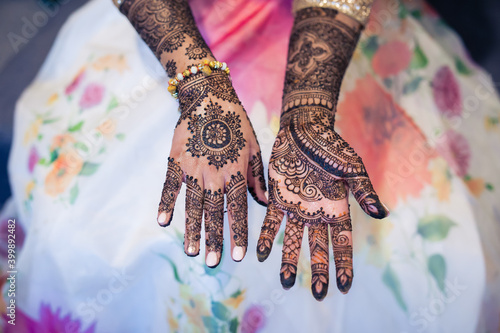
x,y
391,58
76,82
447,92
92,95
33,159
49,322
253,320
455,149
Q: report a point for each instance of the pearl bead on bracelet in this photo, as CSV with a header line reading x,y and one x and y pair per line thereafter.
x,y
204,67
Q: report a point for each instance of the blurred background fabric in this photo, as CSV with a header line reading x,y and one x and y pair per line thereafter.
x,y
25,40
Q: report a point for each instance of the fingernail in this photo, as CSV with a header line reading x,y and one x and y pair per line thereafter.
x,y
267,195
212,259
386,209
237,253
162,218
191,250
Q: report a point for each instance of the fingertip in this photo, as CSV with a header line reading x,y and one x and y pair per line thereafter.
x,y
162,219
238,253
319,289
212,260
344,284
372,206
287,281
263,252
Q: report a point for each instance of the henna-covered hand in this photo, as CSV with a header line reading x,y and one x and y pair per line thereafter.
x,y
214,149
312,168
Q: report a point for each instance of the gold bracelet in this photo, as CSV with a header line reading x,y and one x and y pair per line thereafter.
x,y
357,9
206,67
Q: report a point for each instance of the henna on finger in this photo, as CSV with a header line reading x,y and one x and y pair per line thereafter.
x,y
292,243
341,233
171,188
213,206
194,215
318,246
237,207
365,195
268,231
256,168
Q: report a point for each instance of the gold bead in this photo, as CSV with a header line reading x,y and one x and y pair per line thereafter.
x,y
207,70
172,89
186,73
227,71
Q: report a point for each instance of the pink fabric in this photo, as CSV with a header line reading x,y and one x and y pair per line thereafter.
x,y
252,37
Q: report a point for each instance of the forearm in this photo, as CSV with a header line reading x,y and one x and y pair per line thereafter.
x,y
169,29
321,46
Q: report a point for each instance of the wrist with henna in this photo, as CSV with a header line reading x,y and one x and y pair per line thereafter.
x,y
169,29
312,168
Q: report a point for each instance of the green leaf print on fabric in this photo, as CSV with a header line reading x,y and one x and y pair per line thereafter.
x,y
174,267
391,280
220,311
233,325
76,127
434,228
412,86
370,46
211,324
73,194
461,67
437,267
89,169
113,103
419,59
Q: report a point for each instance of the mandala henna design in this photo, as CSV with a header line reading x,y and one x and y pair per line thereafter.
x,y
213,206
194,213
196,88
342,252
318,245
216,135
171,68
238,208
196,51
171,188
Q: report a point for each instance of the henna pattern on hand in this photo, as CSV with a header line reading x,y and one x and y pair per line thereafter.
x,y
196,89
213,206
216,135
318,245
257,169
291,250
194,215
237,207
171,187
342,251
311,166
